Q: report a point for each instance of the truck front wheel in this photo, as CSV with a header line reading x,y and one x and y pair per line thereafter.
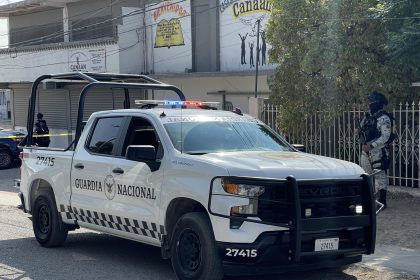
x,y
193,252
49,230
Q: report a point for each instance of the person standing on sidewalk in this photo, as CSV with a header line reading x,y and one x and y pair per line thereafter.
x,y
375,135
41,128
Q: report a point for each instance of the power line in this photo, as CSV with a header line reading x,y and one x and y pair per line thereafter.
x,y
143,27
62,33
140,11
179,55
74,16
288,18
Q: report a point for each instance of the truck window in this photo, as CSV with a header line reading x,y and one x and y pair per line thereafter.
x,y
141,132
217,136
105,135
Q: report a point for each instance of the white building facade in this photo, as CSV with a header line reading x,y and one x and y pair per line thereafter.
x,y
210,49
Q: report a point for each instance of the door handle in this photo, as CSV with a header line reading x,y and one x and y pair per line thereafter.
x,y
118,170
79,166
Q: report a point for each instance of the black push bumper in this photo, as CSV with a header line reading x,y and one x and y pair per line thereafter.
x,y
273,254
330,203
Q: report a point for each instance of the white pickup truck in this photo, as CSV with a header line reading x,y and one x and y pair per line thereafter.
x,y
218,191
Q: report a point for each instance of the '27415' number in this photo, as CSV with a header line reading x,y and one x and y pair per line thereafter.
x,y
46,161
245,253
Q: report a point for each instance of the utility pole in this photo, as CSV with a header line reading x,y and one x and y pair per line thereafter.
x,y
258,57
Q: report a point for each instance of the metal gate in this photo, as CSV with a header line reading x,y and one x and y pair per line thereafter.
x,y
337,139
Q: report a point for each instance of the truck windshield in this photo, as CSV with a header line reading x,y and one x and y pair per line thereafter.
x,y
216,136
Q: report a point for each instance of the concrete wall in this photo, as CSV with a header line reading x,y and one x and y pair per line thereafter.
x,y
131,42
205,35
27,66
237,89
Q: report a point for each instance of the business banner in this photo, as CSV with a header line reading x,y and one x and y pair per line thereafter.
x,y
239,32
87,60
169,26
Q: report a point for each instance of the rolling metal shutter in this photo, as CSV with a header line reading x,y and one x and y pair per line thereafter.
x,y
60,106
53,105
20,102
99,100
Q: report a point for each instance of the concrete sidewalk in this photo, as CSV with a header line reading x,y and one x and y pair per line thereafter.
x,y
5,124
403,192
9,199
393,258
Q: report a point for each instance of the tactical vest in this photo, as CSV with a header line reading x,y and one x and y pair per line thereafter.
x,y
369,130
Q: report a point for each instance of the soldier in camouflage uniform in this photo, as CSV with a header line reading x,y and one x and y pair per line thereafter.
x,y
375,135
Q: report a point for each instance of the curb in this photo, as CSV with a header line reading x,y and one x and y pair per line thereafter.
x,y
397,192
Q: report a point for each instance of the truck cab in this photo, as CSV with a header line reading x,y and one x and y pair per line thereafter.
x,y
219,192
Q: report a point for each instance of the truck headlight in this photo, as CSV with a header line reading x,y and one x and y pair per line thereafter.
x,y
250,191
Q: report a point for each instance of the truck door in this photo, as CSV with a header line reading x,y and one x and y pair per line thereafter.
x,y
137,190
92,162
113,194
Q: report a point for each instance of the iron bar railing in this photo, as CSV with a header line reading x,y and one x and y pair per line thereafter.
x,y
336,138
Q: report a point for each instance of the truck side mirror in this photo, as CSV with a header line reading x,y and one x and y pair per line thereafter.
x,y
299,147
143,153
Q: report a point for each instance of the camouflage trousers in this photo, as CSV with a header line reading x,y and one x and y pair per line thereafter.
x,y
372,160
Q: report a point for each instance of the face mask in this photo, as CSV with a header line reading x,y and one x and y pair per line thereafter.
x,y
375,107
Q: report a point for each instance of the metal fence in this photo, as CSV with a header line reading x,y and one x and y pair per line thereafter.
x,y
336,138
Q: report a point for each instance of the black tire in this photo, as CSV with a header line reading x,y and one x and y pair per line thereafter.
x,y
193,249
48,227
6,159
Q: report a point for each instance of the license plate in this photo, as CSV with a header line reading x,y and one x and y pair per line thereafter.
x,y
328,244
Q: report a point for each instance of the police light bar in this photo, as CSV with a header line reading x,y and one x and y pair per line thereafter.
x,y
175,103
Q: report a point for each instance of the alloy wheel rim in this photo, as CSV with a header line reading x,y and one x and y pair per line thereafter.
x,y
4,159
189,250
44,219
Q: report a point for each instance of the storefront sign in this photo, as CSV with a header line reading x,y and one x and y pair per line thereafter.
x,y
89,60
169,26
169,33
239,32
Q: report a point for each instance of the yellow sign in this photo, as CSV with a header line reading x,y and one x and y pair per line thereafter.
x,y
241,8
169,33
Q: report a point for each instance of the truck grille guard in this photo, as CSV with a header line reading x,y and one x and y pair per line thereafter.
x,y
299,195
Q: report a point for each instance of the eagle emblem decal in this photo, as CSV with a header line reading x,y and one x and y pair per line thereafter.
x,y
109,187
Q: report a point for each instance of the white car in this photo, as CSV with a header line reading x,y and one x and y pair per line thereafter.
x,y
219,192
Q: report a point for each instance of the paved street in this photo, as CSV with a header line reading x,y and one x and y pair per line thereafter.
x,y
6,179
90,255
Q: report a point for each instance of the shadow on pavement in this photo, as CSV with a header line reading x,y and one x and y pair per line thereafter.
x,y
83,256
100,256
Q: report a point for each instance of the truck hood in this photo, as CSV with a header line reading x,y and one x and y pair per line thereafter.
x,y
282,164
12,133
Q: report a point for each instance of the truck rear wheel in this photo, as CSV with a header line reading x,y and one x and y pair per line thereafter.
x,y
6,159
193,252
48,227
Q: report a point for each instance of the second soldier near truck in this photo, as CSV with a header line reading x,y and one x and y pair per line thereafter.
x,y
41,128
375,135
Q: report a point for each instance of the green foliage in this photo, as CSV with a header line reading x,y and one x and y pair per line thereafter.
x,y
332,53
